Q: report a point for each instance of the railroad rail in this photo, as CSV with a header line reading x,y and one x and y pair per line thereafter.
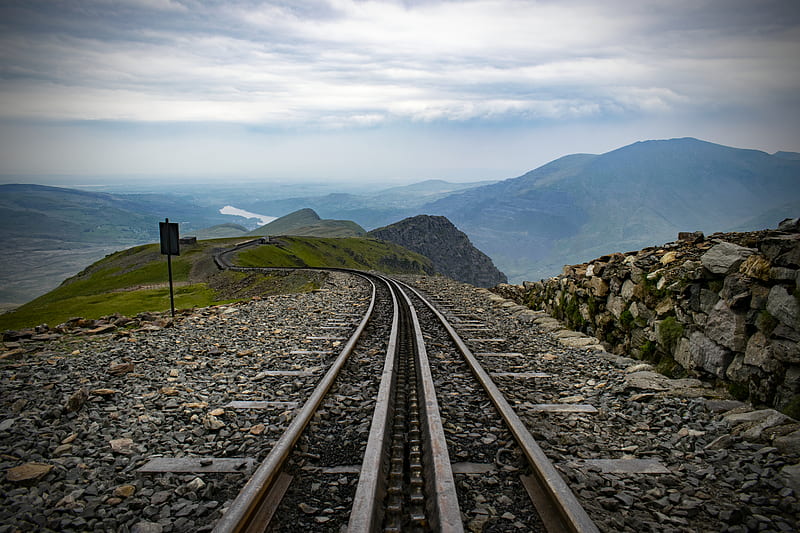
x,y
406,482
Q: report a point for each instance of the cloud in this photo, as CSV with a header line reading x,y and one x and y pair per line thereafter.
x,y
334,65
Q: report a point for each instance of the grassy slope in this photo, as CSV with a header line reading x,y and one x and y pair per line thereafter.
x,y
352,252
135,280
306,222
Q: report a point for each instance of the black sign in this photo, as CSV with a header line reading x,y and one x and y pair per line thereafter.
x,y
169,238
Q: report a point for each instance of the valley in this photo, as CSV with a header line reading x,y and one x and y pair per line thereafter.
x,y
567,211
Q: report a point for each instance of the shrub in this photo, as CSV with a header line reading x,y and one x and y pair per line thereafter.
x,y
669,331
626,320
648,350
739,391
793,408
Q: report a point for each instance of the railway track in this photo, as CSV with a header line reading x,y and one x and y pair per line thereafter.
x,y
401,476
168,443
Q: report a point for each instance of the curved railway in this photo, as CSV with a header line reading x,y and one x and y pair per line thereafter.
x,y
401,474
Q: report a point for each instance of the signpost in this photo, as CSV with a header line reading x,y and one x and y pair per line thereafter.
x,y
170,245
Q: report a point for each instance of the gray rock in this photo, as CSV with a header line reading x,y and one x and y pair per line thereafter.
x,y
790,474
701,353
147,527
726,327
783,274
789,444
759,353
615,304
784,306
647,380
752,424
725,257
789,224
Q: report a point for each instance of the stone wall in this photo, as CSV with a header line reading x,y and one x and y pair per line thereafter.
x,y
724,308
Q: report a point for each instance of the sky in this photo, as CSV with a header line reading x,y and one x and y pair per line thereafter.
x,y
383,90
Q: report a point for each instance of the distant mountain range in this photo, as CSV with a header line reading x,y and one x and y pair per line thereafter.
x,y
570,210
582,206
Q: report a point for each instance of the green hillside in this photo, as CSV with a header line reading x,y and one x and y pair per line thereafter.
x,y
135,280
353,252
306,222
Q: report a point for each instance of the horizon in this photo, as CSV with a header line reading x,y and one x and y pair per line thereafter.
x,y
115,183
383,90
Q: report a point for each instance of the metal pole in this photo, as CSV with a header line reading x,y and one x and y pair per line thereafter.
x,y
171,293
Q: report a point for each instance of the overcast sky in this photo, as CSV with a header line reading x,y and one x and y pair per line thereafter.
x,y
384,90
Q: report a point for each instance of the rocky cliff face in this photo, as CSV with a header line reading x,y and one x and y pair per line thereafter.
x,y
725,308
449,249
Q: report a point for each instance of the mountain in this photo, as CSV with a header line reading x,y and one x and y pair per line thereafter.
x,y
582,206
306,222
221,231
448,248
788,155
369,209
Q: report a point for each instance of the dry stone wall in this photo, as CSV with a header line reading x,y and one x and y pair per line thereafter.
x,y
724,308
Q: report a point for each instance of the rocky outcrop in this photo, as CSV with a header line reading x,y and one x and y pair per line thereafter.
x,y
446,246
726,308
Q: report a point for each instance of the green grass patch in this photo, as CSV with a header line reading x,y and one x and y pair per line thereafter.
x,y
93,306
793,407
626,320
353,252
648,351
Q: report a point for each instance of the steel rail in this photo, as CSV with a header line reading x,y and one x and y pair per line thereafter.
x,y
440,484
367,511
557,504
243,514
442,501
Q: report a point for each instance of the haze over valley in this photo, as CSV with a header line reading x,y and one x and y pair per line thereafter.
x,y
567,211
547,132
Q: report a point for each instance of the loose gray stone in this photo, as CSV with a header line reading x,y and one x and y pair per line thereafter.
x,y
147,527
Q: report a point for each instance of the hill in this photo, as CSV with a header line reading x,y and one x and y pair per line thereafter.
x,y
50,233
221,231
135,280
369,209
582,206
449,249
306,222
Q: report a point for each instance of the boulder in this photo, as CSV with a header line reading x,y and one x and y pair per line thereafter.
x,y
725,257
784,306
701,353
751,424
786,351
598,286
759,354
790,474
615,304
726,327
789,224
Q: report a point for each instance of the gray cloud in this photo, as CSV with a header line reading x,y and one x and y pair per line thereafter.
x,y
338,64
